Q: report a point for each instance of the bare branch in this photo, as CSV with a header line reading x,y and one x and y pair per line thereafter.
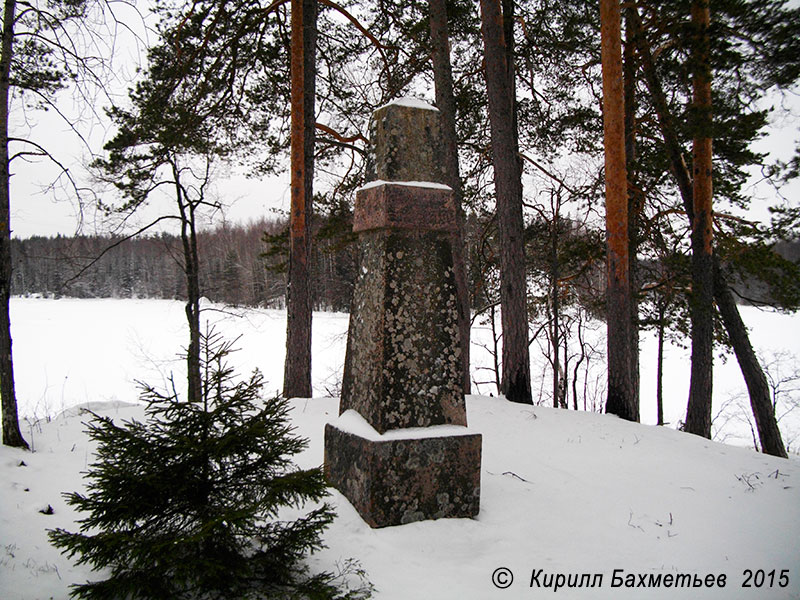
x,y
339,137
548,173
108,249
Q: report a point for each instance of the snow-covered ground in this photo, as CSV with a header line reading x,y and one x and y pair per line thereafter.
x,y
72,351
563,493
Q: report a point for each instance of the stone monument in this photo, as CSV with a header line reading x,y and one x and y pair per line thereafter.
x,y
400,450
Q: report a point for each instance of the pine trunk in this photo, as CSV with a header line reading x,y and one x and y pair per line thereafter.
x,y
756,381
621,397
445,102
516,378
11,433
698,412
297,366
635,194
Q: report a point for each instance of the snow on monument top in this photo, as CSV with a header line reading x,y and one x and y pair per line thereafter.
x,y
351,421
422,184
410,102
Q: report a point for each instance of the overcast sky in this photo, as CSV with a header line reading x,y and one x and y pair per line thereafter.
x,y
38,208
43,201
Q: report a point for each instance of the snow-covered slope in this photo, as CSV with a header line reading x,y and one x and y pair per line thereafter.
x,y
562,493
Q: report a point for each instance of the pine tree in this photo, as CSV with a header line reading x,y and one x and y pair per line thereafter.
x,y
45,48
297,365
622,398
698,415
750,48
11,434
516,383
186,504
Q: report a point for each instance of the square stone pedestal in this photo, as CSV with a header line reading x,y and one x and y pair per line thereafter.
x,y
395,480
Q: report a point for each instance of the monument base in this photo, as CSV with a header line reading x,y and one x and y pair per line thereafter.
x,y
397,480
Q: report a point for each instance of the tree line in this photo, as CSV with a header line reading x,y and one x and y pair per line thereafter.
x,y
240,265
245,265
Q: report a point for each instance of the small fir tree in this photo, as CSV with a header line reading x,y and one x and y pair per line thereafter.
x,y
187,504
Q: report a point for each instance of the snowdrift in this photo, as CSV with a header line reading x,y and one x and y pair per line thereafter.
x,y
586,505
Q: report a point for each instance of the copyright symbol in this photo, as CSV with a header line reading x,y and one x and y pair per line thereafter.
x,y
502,578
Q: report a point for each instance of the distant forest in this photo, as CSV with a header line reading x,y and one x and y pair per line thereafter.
x,y
244,265
240,265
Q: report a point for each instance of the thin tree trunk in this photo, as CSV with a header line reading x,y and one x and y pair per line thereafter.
x,y
297,366
554,320
698,412
445,102
192,273
756,381
563,375
496,352
11,433
621,398
666,123
660,368
581,358
516,382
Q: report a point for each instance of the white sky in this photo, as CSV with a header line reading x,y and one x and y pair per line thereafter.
x,y
42,200
38,208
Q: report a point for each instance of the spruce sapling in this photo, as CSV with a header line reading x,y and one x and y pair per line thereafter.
x,y
186,505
